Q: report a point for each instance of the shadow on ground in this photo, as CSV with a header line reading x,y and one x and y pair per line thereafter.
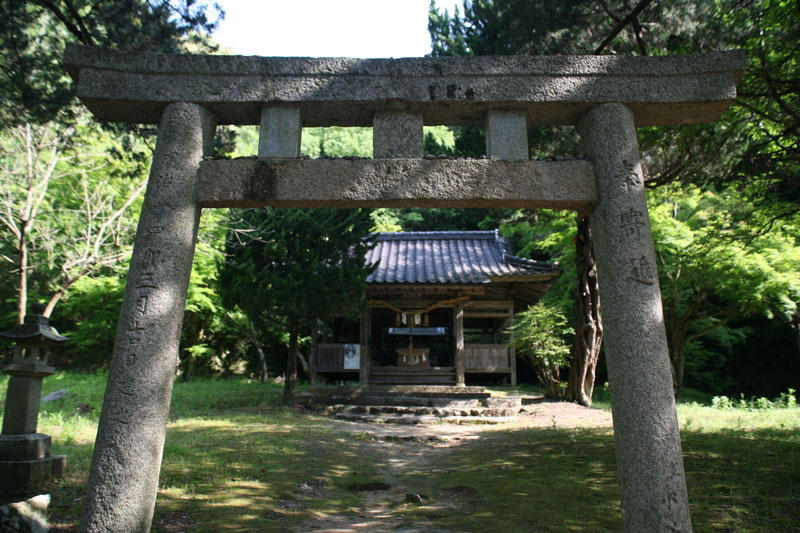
x,y
272,469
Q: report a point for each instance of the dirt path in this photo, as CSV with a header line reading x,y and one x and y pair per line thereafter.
x,y
400,449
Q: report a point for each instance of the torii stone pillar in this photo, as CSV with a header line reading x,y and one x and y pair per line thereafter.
x,y
123,480
648,442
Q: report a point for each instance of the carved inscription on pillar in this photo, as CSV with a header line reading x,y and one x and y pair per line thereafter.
x,y
144,286
450,91
633,225
629,176
633,222
642,271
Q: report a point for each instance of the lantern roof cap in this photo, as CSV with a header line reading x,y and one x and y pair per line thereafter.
x,y
36,325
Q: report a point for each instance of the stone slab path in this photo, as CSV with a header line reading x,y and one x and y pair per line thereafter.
x,y
403,449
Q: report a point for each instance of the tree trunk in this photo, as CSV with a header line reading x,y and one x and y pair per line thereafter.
x,y
262,358
676,339
303,361
312,356
796,326
188,367
549,380
22,292
588,321
291,365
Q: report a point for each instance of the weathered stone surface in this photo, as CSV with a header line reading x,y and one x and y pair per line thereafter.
x,y
26,478
24,447
280,133
507,135
56,395
396,183
648,445
135,86
26,466
127,456
22,405
396,134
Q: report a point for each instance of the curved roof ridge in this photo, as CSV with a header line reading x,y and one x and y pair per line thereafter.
x,y
438,257
451,234
524,261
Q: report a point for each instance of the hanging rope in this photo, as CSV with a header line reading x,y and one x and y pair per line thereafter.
x,y
412,312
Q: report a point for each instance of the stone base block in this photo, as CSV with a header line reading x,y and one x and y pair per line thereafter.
x,y
24,479
25,447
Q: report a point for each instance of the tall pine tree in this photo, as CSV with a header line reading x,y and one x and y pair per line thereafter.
x,y
295,266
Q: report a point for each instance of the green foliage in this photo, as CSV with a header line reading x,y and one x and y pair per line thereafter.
x,y
88,316
213,341
297,263
445,219
385,220
787,400
547,235
286,268
713,270
438,140
33,84
540,337
68,194
336,141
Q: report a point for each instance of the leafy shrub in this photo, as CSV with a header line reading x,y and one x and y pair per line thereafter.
x,y
721,402
787,400
540,335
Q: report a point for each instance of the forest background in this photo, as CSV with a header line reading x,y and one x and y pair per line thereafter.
x,y
724,198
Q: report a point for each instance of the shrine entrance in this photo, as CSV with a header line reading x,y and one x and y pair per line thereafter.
x,y
606,97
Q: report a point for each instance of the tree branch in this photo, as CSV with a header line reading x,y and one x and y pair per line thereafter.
x,y
117,214
621,25
709,329
84,38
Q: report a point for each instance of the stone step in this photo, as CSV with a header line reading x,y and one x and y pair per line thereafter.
x,y
413,375
503,402
427,390
420,411
415,401
423,419
434,379
433,396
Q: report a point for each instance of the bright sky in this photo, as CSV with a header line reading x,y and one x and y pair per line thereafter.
x,y
319,28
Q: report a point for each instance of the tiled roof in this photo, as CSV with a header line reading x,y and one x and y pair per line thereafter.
x,y
448,257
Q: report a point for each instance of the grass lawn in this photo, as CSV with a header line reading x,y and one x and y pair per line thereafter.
x,y
236,460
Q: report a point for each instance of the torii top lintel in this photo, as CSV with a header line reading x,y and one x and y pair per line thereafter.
x,y
667,90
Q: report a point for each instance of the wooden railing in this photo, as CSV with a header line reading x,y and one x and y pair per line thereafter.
x,y
486,358
330,356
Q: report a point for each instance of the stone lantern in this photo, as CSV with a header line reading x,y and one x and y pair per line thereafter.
x,y
26,466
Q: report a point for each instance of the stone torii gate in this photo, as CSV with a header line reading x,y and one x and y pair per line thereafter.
x,y
607,97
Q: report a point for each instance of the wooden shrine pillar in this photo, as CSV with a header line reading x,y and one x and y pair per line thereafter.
x,y
458,333
512,353
313,352
365,334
